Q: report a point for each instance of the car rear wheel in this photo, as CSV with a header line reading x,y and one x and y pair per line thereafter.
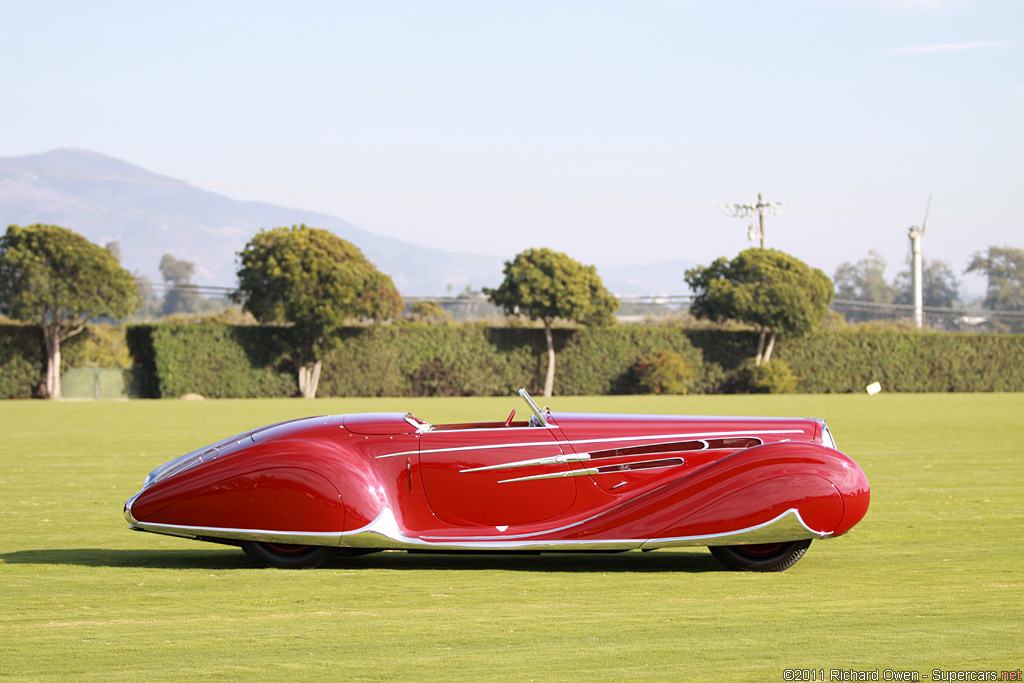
x,y
762,557
288,556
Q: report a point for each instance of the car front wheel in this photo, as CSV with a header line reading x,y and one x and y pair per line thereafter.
x,y
762,557
288,556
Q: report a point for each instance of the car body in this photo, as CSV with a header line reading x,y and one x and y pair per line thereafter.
x,y
754,490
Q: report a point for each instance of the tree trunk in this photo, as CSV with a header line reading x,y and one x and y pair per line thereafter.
x,y
309,379
760,346
52,337
549,381
771,345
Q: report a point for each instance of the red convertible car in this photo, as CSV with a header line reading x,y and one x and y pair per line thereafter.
x,y
756,491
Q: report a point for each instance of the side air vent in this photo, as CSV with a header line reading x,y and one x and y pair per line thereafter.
x,y
644,465
734,443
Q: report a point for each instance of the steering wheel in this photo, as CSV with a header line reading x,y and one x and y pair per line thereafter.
x,y
508,422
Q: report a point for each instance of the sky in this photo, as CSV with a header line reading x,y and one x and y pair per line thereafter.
x,y
614,131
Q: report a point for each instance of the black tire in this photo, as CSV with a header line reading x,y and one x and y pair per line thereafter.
x,y
285,556
763,557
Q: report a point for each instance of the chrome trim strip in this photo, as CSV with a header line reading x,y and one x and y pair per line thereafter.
x,y
553,475
550,460
655,438
599,469
384,532
440,429
789,525
128,508
263,535
691,437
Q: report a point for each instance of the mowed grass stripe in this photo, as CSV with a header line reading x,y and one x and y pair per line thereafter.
x,y
930,579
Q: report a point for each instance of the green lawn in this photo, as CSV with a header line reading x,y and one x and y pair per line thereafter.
x,y
931,579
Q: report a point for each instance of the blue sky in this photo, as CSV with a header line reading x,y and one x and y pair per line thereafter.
x,y
610,130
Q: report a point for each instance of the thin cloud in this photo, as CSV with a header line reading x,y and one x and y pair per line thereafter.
x,y
911,5
947,47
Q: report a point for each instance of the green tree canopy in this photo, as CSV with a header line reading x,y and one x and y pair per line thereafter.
x,y
316,281
764,287
864,280
546,285
1004,268
182,297
58,279
939,286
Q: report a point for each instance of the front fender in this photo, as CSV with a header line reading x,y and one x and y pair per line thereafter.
x,y
273,499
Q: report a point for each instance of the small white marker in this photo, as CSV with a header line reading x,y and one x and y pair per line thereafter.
x,y
873,388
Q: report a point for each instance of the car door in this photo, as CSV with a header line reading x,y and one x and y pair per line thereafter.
x,y
495,476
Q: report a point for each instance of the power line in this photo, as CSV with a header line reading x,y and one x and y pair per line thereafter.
x,y
167,286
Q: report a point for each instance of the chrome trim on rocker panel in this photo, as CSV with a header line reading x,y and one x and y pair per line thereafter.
x,y
789,526
263,535
385,534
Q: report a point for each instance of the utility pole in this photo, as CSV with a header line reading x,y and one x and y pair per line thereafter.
x,y
748,210
916,235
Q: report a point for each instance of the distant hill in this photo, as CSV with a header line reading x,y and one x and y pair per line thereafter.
x,y
109,200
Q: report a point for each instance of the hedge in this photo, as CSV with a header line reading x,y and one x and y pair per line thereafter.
x,y
226,361
409,360
22,360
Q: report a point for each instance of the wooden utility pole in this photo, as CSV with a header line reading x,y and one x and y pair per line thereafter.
x,y
747,210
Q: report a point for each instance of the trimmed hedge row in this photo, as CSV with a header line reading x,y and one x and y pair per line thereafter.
x,y
228,361
409,360
846,361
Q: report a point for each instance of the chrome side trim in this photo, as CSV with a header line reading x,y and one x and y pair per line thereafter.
x,y
789,526
128,508
384,533
552,475
263,535
550,460
691,437
655,439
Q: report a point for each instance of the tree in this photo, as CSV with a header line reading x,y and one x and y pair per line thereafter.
x,y
763,287
429,312
545,285
939,285
55,277
1004,268
316,281
115,249
182,297
864,280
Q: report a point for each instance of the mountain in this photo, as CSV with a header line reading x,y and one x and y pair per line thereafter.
x,y
148,214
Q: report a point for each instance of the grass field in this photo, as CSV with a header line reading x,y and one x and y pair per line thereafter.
x,y
931,579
